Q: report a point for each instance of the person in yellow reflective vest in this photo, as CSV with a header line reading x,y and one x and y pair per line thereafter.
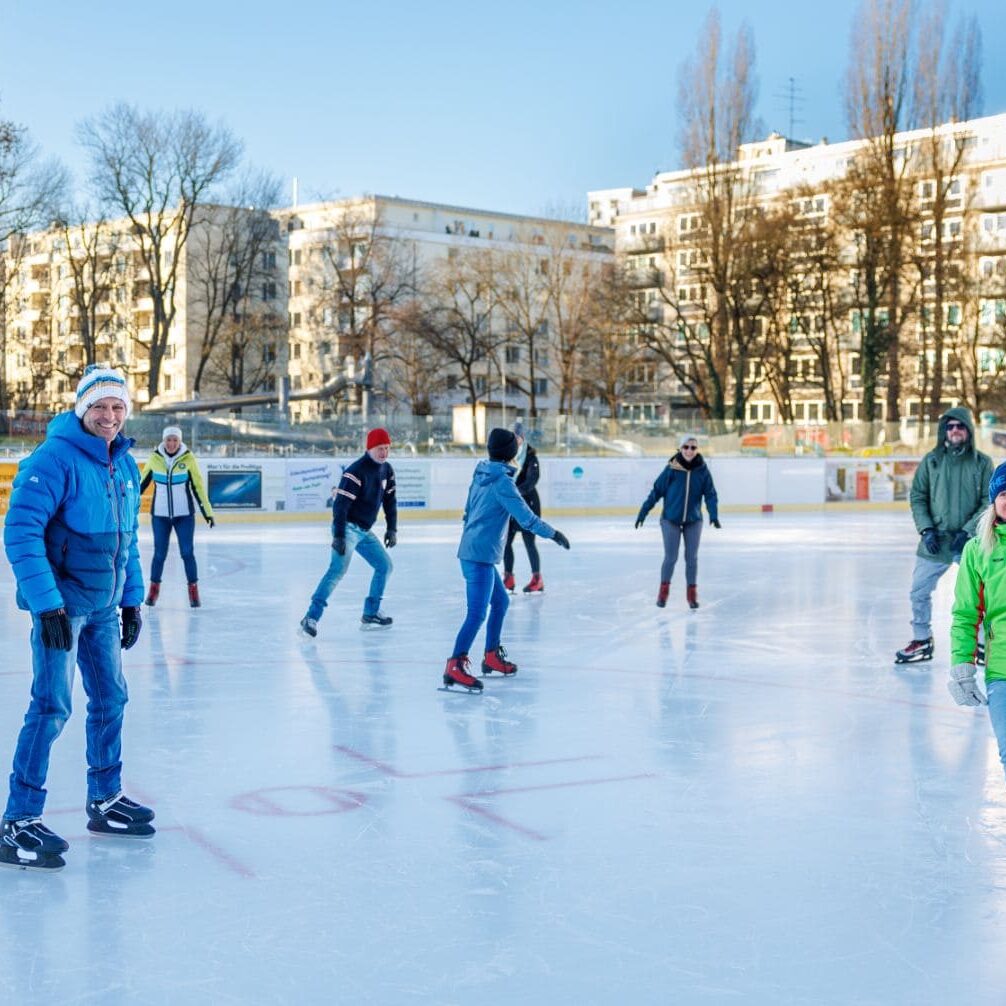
x,y
178,490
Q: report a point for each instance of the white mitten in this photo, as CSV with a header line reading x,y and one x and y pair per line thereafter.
x,y
963,687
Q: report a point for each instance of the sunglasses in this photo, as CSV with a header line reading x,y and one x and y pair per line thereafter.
x,y
689,447
956,426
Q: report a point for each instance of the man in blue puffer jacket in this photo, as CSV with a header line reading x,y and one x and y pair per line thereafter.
x,y
492,500
70,535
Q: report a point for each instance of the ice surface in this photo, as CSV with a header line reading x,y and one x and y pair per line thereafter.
x,y
748,803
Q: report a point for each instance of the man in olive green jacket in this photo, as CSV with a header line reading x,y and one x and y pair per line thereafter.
x,y
948,496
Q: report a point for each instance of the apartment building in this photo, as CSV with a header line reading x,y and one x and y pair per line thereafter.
x,y
655,229
353,260
300,294
69,286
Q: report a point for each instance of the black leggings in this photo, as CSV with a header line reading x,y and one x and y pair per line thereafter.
x,y
529,544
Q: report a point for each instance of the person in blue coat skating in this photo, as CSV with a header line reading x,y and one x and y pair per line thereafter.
x,y
70,536
492,500
682,485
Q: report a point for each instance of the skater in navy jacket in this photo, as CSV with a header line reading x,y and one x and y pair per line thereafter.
x,y
492,500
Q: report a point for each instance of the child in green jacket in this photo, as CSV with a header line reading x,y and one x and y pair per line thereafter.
x,y
980,602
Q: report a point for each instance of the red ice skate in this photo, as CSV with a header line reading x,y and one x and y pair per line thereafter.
x,y
509,583
693,596
194,601
495,660
536,585
153,594
456,673
665,586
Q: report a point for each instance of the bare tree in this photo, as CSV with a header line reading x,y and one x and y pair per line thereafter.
x,y
362,275
454,318
92,254
415,367
947,90
613,347
30,192
233,278
878,102
156,169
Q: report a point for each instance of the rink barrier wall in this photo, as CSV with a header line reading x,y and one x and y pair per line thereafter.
x,y
436,488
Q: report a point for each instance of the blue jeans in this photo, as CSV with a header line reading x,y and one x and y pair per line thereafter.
x,y
370,550
96,650
483,589
184,529
996,693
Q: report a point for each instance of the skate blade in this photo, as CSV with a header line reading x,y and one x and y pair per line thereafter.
x,y
52,863
460,689
913,660
139,831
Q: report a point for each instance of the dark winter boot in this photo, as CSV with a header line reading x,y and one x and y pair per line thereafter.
x,y
916,651
495,660
378,618
456,673
536,585
153,594
120,816
194,601
692,593
665,586
509,583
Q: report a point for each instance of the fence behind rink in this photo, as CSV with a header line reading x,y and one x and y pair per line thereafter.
x,y
298,488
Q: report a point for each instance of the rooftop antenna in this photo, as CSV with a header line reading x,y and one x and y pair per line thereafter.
x,y
793,101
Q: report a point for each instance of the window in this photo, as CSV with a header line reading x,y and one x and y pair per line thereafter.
x,y
268,291
513,354
296,350
166,381
541,386
269,260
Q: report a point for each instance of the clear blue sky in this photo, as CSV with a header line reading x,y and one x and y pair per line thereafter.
x,y
513,106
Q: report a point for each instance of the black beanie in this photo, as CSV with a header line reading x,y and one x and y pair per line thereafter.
x,y
502,445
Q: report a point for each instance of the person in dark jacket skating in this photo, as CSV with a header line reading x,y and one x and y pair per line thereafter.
x,y
528,472
366,485
492,500
682,485
70,536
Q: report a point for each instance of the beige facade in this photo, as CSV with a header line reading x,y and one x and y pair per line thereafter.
x,y
653,227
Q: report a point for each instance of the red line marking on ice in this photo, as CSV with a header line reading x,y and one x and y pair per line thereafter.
x,y
558,785
395,773
257,802
231,862
489,815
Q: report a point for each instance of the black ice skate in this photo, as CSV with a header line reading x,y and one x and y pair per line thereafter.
x,y
309,626
30,845
118,815
915,652
380,619
980,655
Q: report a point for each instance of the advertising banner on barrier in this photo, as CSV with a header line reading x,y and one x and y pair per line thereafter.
x,y
237,488
868,481
309,485
8,469
412,484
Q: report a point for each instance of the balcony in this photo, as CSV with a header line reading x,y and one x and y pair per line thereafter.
x,y
638,278
640,244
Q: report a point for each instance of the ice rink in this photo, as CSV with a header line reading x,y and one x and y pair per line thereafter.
x,y
744,804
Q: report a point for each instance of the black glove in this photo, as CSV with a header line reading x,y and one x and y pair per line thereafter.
x,y
56,631
639,520
390,539
958,542
339,544
931,539
560,539
211,521
716,523
131,623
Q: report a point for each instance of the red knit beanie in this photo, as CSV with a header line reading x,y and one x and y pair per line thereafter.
x,y
377,437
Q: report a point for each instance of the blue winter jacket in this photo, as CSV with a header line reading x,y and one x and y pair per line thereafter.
x,y
71,525
492,500
682,490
